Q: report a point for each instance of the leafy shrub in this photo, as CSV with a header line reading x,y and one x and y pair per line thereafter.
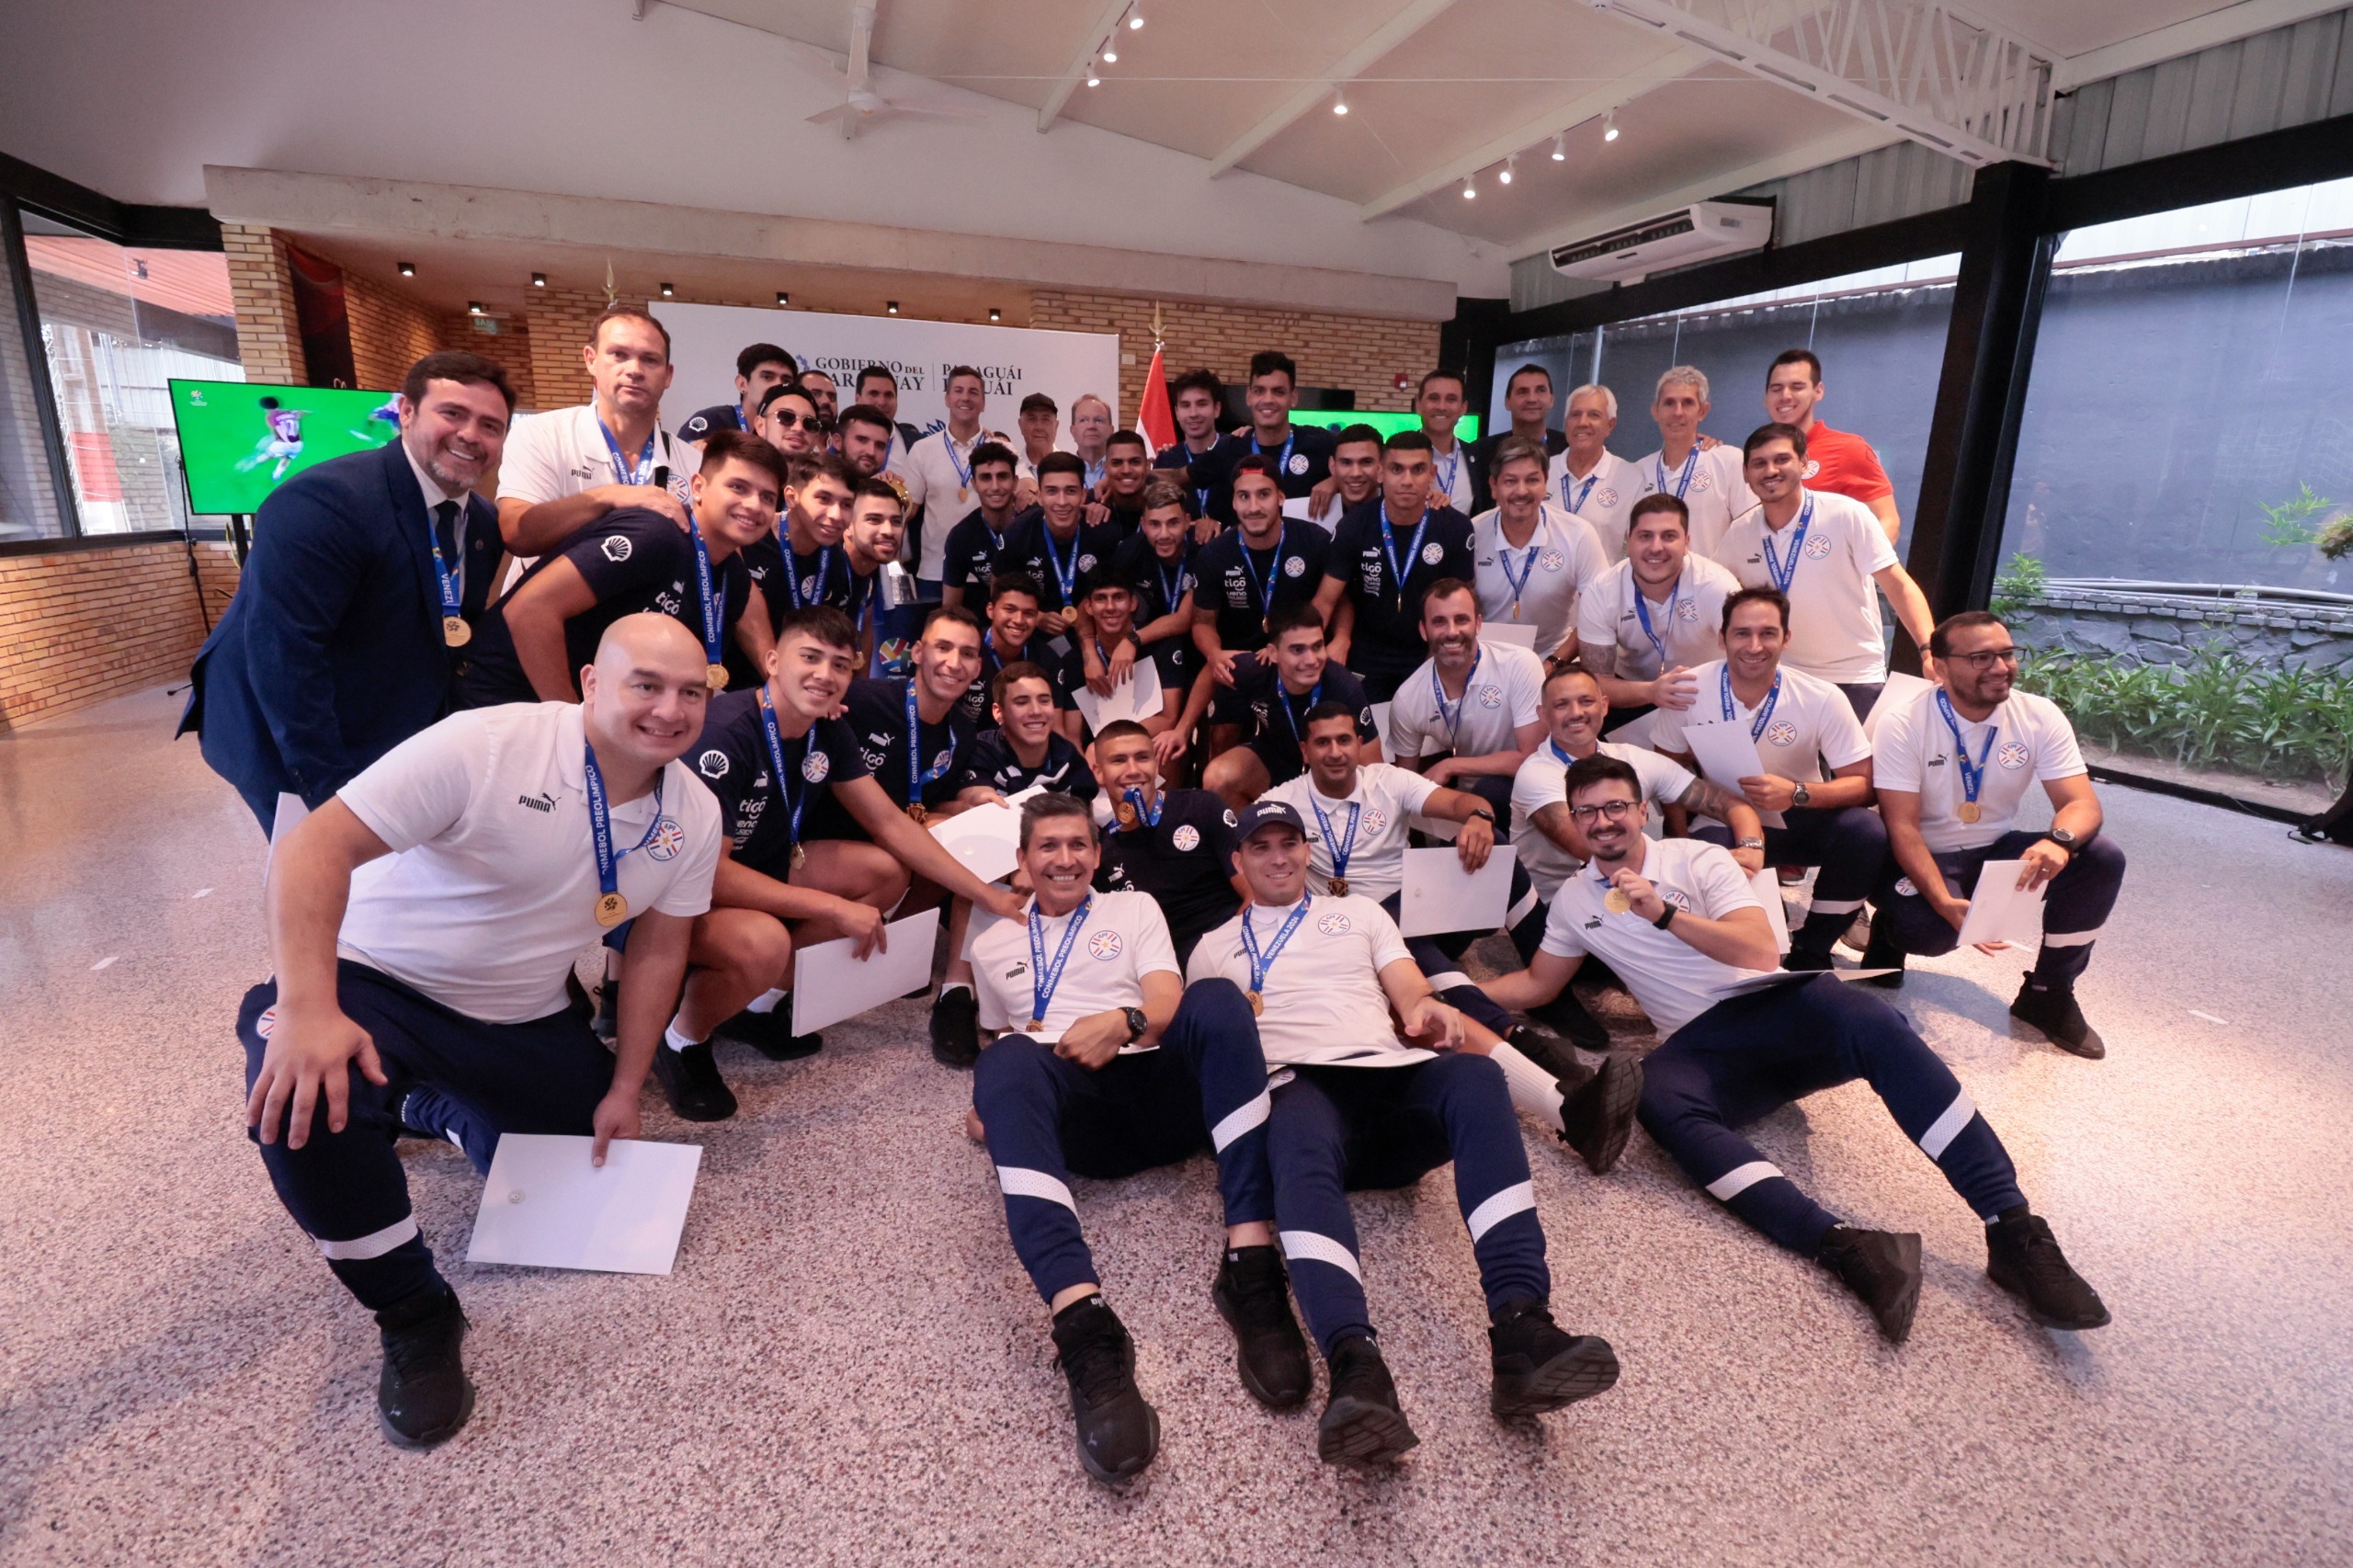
x,y
2020,586
2218,710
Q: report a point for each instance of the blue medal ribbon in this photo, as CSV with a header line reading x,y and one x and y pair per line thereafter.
x,y
1972,774
1764,709
1413,550
452,594
792,571
1453,721
1337,851
918,775
1282,700
776,761
1172,590
1567,760
1518,581
1783,575
1643,614
643,470
714,646
1569,503
600,830
963,469
1042,978
1262,962
1066,575
1453,466
1683,481
1265,589
1282,464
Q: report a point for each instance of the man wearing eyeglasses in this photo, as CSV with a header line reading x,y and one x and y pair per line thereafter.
x,y
1951,771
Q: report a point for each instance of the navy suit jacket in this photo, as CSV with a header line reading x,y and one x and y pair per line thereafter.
x,y
331,652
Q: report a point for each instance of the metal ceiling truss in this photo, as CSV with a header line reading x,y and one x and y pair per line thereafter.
x,y
1933,72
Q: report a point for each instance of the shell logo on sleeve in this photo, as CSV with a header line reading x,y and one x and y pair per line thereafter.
x,y
1103,945
616,547
712,763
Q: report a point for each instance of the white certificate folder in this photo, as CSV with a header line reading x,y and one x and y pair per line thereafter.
x,y
544,1206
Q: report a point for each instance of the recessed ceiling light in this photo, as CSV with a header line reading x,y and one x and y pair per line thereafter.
x,y
667,290
473,308
539,279
407,268
995,314
783,298
891,307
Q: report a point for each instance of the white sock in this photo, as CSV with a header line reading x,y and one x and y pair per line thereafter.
x,y
946,986
676,1040
766,1001
1533,1090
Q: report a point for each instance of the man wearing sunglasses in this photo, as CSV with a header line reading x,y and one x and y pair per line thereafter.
x,y
788,420
1951,771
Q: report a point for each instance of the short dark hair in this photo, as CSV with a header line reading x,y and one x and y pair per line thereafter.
x,y
866,414
1061,462
1530,369
956,613
1038,402
1598,768
1297,616
1127,439
1253,462
1120,729
1198,379
1515,449
812,372
1446,585
1102,575
1006,583
1766,434
873,372
1410,441
876,487
808,466
960,370
1940,639
1014,673
1267,362
461,366
760,354
1758,595
993,452
1571,668
1051,806
621,310
1329,707
826,623
1805,356
1661,501
1355,435
742,446
1441,374
1167,493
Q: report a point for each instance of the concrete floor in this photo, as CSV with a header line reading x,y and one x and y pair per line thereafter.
x,y
847,1364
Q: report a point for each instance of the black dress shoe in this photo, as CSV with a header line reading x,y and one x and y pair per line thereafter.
x,y
1882,1268
690,1082
1539,1367
423,1397
1598,1120
1253,1295
1118,1432
956,1028
1361,1423
2023,1258
771,1035
2053,1010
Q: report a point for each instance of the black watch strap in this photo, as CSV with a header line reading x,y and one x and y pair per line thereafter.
x,y
1667,917
1137,1023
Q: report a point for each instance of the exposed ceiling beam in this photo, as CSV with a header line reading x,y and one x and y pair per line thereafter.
x,y
1575,111
1849,143
2225,26
1348,68
1112,11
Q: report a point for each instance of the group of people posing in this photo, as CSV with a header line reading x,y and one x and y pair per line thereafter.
x,y
699,700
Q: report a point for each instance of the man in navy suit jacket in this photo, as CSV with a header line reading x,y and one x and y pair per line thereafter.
x,y
339,644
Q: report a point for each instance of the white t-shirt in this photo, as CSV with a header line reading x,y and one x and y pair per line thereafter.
x,y
1672,981
1124,939
1811,723
1385,796
563,452
1501,694
1605,498
1914,753
1714,490
1568,557
1692,632
940,466
1323,1001
491,889
1834,603
1452,478
1539,783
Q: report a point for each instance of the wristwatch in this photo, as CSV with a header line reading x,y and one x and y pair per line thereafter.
x,y
1137,1023
1484,814
1748,844
1799,795
2064,840
1667,916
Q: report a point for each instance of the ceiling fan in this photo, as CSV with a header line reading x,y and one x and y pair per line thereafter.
x,y
861,105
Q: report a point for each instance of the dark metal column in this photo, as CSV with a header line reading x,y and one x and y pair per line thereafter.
x,y
1468,344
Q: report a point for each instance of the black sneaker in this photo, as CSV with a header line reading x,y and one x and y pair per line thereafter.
x,y
2053,1010
690,1082
1118,1432
1361,1423
1598,1118
423,1397
2023,1258
1539,1367
1882,1267
1253,1295
1803,960
956,1028
771,1035
1566,1016
1550,1054
1883,952
606,1019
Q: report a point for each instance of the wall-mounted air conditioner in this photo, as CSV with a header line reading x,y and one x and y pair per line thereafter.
x,y
1701,231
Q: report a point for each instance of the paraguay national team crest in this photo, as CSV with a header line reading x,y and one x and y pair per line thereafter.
x,y
1818,548
1295,565
1704,481
1551,561
1433,553
268,1022
816,766
2013,754
1187,837
1782,733
1812,468
1333,925
1374,820
1298,463
1490,697
1103,945
1687,610
1606,496
667,839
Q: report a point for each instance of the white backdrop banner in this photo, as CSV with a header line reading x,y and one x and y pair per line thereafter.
x,y
1016,361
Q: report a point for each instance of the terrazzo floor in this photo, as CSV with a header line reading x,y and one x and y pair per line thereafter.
x,y
849,1366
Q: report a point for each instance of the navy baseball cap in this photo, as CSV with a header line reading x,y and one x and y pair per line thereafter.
x,y
1267,814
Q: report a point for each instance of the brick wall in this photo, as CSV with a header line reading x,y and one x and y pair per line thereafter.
x,y
390,332
1364,353
510,346
558,327
268,339
85,625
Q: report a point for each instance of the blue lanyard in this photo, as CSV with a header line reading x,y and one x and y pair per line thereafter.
x,y
1567,760
1066,575
600,828
1683,481
452,595
1284,462
1569,505
918,775
776,760
1042,978
1453,467
1517,582
1282,700
1148,816
1260,963
1266,589
1338,851
1782,576
741,423
1453,722
1413,550
963,470
713,644
1643,614
792,571
1170,592
622,469
1764,709
1972,774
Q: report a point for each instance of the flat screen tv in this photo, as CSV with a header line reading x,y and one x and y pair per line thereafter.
x,y
1465,428
240,440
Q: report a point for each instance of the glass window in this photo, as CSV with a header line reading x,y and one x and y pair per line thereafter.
x,y
27,498
117,323
2178,548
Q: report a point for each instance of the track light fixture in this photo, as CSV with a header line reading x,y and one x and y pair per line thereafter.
x,y
405,268
1470,188
1559,146
1505,177
1339,102
1135,19
1610,126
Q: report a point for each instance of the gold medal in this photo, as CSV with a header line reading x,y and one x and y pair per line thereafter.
x,y
961,494
800,856
918,814
611,910
1036,1023
1127,814
716,674
1339,886
455,632
1970,811
1258,1003
1616,901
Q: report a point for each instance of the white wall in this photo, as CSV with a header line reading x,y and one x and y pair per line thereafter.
x,y
133,97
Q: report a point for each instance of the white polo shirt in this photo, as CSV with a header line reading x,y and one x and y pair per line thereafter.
x,y
1123,939
1561,558
2032,743
1323,1004
1501,694
563,452
491,889
1384,797
1834,603
1672,981
1605,497
1539,783
1692,632
1452,479
1811,723
1714,490
939,466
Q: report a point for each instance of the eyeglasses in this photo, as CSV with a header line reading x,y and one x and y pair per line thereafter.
x,y
1614,810
1988,659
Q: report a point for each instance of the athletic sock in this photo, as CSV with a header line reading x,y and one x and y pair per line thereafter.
x,y
676,1040
765,1002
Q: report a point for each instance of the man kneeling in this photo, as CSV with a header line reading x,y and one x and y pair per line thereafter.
x,y
1359,1106
1099,1067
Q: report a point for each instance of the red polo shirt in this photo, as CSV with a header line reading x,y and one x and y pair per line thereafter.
x,y
1844,464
